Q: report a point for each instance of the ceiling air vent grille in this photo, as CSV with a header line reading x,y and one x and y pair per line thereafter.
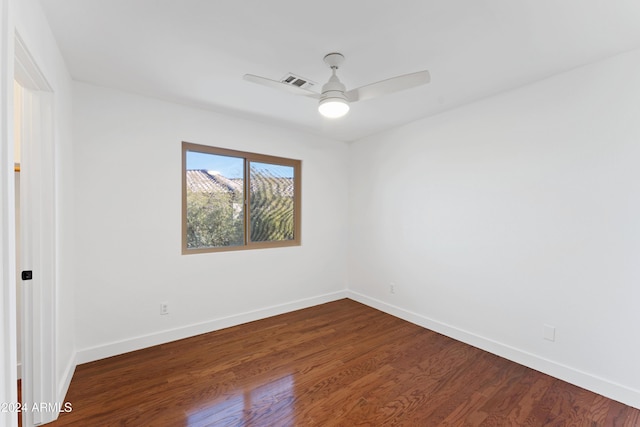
x,y
293,80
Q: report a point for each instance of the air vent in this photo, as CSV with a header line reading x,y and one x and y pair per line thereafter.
x,y
293,80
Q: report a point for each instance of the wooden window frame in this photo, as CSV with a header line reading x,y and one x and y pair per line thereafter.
x,y
247,158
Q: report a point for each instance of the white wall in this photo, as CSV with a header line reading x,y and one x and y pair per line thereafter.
x,y
502,216
128,200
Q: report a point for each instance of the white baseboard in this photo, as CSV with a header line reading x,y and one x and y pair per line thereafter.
x,y
612,390
136,343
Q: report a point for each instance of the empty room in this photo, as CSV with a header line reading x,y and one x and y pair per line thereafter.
x,y
274,213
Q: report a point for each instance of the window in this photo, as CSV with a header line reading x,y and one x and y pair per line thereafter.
x,y
234,200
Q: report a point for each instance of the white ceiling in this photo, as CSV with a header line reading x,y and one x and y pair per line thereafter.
x,y
195,52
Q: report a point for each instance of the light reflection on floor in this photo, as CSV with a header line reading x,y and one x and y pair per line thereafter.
x,y
276,397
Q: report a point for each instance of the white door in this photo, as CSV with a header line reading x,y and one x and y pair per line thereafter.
x,y
37,243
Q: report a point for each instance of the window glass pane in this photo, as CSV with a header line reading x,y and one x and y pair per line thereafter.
x,y
215,200
271,202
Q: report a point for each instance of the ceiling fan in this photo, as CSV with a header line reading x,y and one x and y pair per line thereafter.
x,y
335,99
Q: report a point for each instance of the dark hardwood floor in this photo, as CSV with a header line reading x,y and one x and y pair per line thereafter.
x,y
337,364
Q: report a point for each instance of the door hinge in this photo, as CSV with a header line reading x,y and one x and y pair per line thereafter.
x,y
27,275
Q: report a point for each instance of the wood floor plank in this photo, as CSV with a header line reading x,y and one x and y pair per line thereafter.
x,y
336,364
618,414
536,384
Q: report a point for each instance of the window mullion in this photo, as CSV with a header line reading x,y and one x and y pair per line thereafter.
x,y
247,204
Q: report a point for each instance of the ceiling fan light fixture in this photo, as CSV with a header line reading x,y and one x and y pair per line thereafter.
x,y
333,108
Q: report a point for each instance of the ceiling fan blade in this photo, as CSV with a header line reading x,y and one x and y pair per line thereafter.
x,y
279,85
394,84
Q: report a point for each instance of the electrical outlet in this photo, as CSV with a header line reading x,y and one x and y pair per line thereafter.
x,y
549,333
392,288
164,308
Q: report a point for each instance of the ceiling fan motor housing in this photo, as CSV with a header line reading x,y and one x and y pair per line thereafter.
x,y
333,88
